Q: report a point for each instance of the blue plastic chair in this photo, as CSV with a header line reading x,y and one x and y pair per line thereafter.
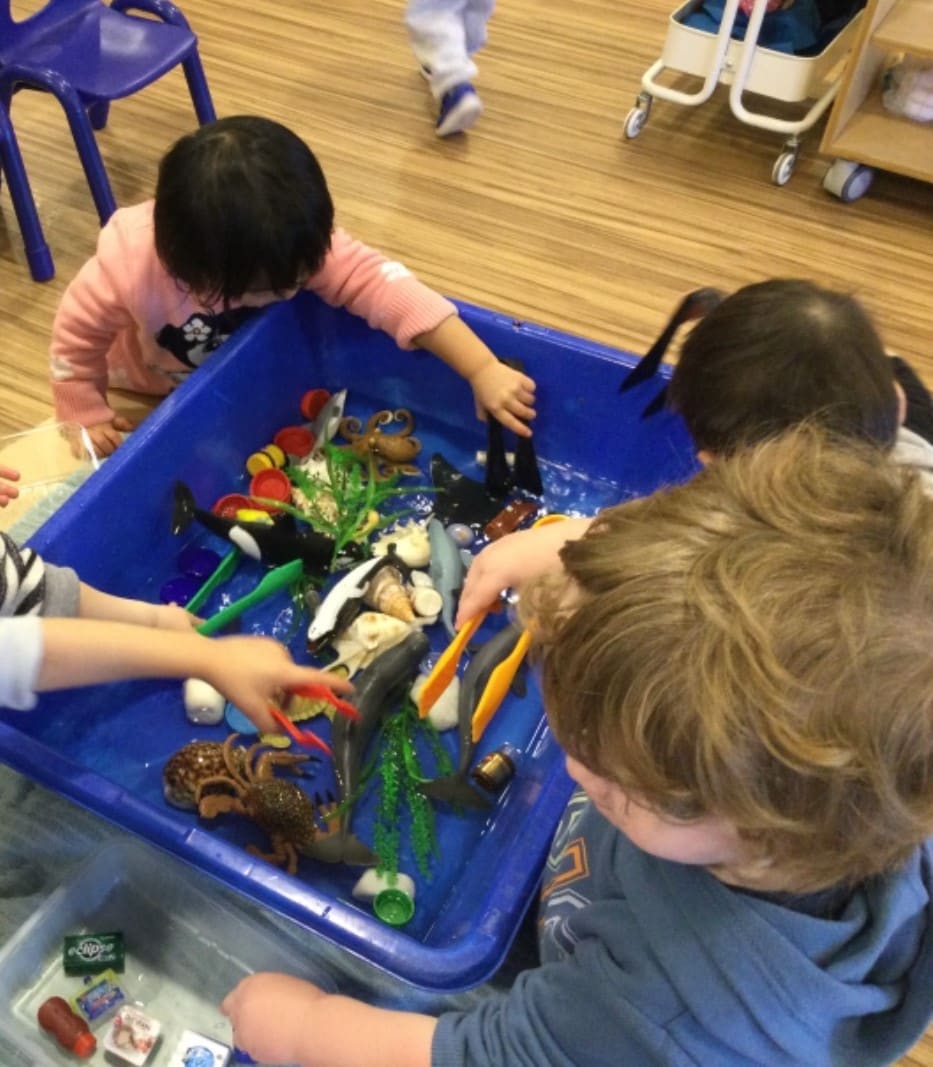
x,y
88,54
38,255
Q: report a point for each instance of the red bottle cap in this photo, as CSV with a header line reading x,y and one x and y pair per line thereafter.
x,y
295,440
229,505
313,401
271,484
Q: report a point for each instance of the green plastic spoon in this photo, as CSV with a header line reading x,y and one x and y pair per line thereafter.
x,y
274,581
221,573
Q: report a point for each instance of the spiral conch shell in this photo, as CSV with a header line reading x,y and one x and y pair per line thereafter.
x,y
386,592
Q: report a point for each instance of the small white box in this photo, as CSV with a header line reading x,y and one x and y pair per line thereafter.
x,y
196,1050
133,1035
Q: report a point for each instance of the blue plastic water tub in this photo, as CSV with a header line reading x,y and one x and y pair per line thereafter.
x,y
105,747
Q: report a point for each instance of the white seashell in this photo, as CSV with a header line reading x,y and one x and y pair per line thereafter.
x,y
426,601
203,704
411,543
372,883
444,714
387,593
365,638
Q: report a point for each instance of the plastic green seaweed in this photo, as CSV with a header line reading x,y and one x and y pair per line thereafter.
x,y
400,773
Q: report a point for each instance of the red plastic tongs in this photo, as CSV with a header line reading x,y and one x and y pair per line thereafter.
x,y
313,692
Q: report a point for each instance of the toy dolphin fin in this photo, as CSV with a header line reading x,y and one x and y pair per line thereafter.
x,y
693,306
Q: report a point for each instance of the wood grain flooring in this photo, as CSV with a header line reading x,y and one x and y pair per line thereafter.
x,y
542,211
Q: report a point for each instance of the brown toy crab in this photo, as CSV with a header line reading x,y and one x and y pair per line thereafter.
x,y
388,452
197,761
278,806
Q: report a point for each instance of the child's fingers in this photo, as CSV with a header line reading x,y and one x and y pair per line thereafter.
x,y
10,474
516,424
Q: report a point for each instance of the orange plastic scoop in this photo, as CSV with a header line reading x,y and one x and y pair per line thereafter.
x,y
446,667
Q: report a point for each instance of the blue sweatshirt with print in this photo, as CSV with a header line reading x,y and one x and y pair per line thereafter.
x,y
645,961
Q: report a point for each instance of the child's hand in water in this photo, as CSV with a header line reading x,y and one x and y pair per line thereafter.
x,y
106,437
505,393
512,561
8,492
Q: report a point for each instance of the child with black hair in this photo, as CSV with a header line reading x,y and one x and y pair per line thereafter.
x,y
769,357
242,218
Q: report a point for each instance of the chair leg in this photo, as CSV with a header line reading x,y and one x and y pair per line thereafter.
x,y
89,153
38,255
98,113
197,86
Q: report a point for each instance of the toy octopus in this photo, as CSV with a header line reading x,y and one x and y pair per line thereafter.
x,y
389,453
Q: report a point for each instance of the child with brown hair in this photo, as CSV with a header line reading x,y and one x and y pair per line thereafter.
x,y
739,671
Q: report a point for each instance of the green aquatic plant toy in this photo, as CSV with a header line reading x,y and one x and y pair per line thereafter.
x,y
398,768
357,497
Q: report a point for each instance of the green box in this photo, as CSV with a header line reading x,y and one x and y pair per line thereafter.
x,y
93,953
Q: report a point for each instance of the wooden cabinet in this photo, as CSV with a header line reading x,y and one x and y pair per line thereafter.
x,y
861,133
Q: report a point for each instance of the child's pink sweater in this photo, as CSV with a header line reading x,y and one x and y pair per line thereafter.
x,y
123,315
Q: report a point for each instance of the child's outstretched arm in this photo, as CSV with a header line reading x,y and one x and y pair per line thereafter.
x,y
499,390
96,604
279,1019
512,561
249,671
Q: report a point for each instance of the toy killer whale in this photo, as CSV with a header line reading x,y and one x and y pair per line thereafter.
x,y
454,788
345,600
273,544
389,675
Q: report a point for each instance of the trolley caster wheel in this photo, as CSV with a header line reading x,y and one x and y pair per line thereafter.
x,y
783,168
847,180
634,122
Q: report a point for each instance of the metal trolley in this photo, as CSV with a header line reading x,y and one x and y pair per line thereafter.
x,y
745,67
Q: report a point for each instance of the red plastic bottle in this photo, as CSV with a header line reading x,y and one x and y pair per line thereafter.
x,y
70,1030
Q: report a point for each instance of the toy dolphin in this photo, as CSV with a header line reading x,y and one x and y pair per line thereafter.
x,y
446,570
455,788
272,543
387,676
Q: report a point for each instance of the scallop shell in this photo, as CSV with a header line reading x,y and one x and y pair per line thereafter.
x,y
387,593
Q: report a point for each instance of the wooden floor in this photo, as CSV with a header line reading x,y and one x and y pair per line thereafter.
x,y
542,212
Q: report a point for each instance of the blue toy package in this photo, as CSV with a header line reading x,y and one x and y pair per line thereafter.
x,y
106,747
